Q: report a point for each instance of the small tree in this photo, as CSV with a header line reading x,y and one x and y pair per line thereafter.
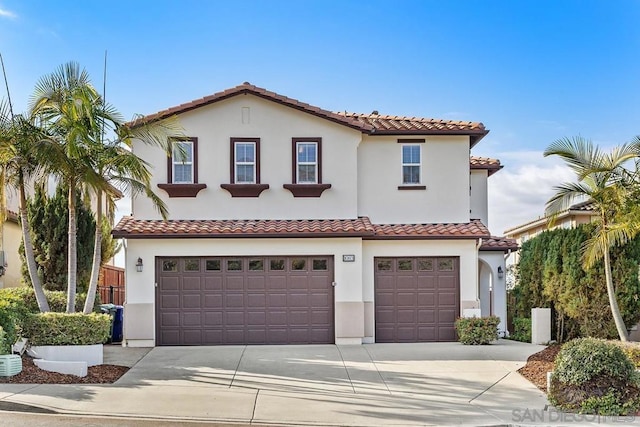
x,y
50,241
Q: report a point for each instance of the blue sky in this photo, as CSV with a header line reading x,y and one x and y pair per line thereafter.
x,y
532,71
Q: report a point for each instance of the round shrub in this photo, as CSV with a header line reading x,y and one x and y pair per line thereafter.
x,y
596,377
477,330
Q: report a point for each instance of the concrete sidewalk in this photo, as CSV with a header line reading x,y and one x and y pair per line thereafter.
x,y
377,384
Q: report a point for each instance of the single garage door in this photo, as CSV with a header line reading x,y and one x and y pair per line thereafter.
x,y
416,299
244,300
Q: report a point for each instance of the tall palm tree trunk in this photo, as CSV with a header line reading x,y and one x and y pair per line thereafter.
x,y
41,298
72,265
97,258
613,302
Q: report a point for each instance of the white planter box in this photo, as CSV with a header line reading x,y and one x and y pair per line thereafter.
x,y
79,369
92,354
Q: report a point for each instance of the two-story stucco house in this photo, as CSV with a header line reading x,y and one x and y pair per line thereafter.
x,y
293,224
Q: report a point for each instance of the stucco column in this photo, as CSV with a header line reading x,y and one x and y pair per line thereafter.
x,y
500,301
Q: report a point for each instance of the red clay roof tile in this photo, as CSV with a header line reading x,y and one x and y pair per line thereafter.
x,y
372,124
495,243
491,165
128,227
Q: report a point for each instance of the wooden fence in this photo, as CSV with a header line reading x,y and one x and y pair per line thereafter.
x,y
111,285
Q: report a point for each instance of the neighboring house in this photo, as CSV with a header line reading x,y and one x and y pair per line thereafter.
x,y
576,214
293,224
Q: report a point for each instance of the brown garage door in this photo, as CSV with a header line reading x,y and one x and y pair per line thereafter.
x,y
244,300
416,299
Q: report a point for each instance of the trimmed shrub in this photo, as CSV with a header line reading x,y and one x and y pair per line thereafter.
x,y
594,377
521,329
67,329
5,347
631,350
477,330
25,297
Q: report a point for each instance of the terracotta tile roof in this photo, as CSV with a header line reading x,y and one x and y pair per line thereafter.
x,y
495,243
247,88
473,229
398,125
129,227
491,165
372,124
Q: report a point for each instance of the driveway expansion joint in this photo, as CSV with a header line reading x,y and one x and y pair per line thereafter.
x,y
377,370
237,367
346,370
489,388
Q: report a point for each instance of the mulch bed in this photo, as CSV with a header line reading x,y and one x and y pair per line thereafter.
x,y
539,364
31,374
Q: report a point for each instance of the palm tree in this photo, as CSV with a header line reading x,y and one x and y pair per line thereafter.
x,y
75,112
20,162
122,170
603,179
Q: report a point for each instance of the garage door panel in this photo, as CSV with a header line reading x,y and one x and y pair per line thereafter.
x,y
191,319
256,318
213,318
170,283
191,301
244,300
170,301
170,319
190,283
256,283
416,299
213,300
234,283
213,283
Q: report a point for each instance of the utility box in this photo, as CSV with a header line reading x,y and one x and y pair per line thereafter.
x,y
540,325
10,365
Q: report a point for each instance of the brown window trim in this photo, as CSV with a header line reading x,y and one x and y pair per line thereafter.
x,y
411,141
306,190
412,187
183,190
243,190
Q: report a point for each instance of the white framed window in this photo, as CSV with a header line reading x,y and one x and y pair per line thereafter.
x,y
245,162
182,162
411,164
306,162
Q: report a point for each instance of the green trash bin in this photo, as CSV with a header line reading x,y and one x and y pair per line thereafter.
x,y
109,309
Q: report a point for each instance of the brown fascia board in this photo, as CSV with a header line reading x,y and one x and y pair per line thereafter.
x,y
125,235
474,135
316,111
469,237
490,169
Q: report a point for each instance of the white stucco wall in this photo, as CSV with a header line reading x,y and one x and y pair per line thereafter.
x,y
491,260
275,125
11,239
445,173
479,200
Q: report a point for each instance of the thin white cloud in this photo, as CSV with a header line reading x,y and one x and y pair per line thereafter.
x,y
519,192
5,13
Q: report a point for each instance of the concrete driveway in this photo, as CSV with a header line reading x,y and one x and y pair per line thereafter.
x,y
377,384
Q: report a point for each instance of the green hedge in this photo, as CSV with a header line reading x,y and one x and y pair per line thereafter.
x,y
521,329
5,348
477,330
594,377
67,329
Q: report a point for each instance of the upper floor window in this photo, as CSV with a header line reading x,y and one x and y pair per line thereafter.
x,y
183,162
306,178
182,169
307,163
245,168
411,164
245,160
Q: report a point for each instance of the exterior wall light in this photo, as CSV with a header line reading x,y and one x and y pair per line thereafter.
x,y
139,265
500,271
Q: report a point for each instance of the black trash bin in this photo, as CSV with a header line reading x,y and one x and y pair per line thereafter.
x,y
118,324
111,310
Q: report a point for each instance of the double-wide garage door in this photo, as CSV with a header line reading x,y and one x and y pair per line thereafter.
x,y
244,300
416,299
